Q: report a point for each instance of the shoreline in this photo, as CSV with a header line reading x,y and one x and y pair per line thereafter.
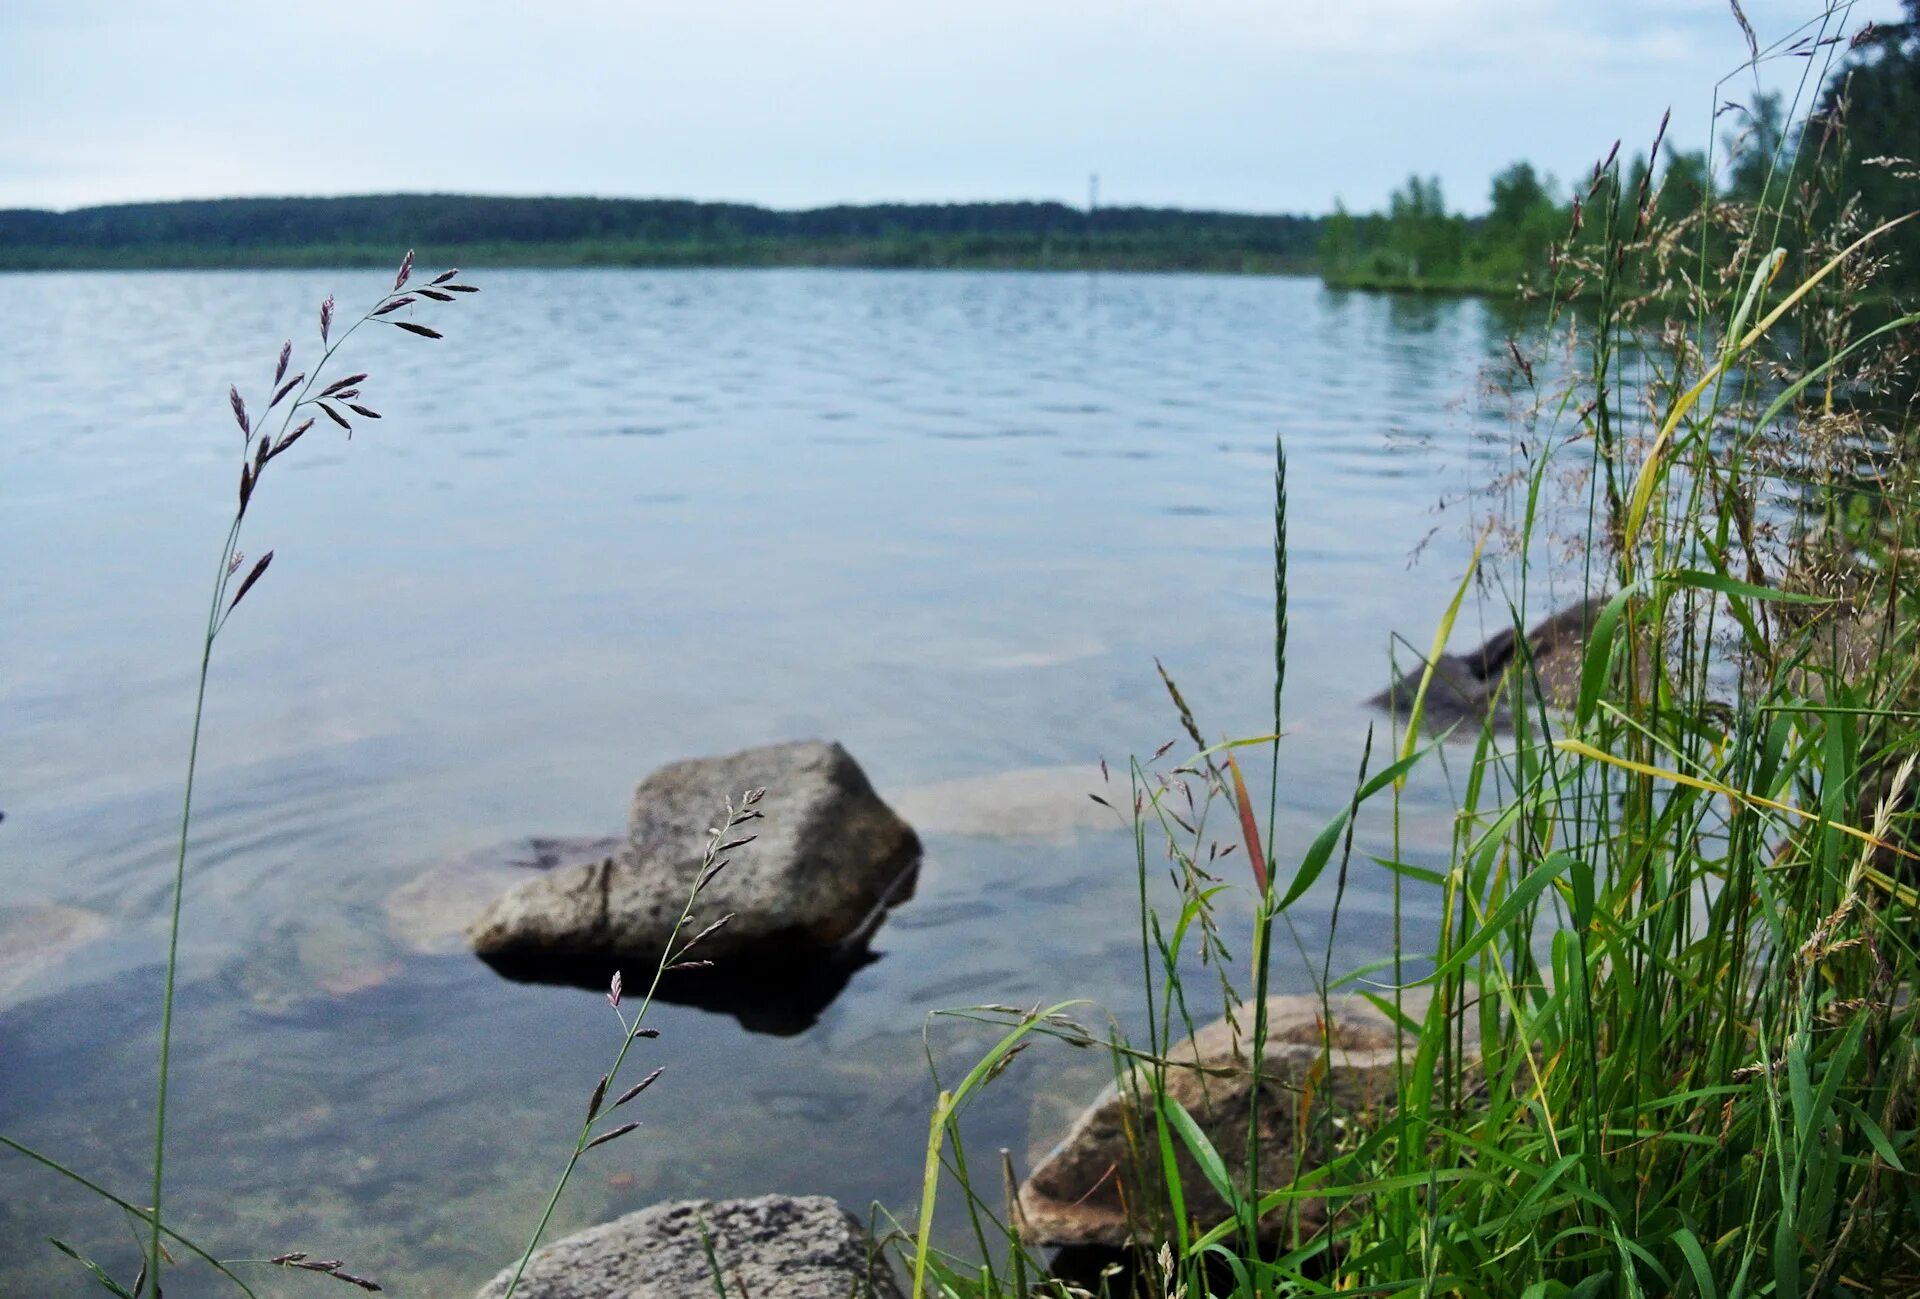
x,y
547,257
552,257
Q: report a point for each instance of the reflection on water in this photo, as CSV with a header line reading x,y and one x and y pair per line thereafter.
x,y
620,518
783,1000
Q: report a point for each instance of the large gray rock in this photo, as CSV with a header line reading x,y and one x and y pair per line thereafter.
x,y
1079,1192
772,1247
829,858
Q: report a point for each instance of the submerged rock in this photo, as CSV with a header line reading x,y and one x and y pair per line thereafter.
x,y
828,860
1034,803
35,938
1465,686
311,958
1079,1192
771,1247
430,913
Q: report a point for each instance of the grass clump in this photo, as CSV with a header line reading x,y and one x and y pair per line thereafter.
x,y
1662,1040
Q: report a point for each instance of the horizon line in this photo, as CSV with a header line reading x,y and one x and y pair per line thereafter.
x,y
664,198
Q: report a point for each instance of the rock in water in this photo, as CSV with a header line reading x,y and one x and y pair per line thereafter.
x,y
430,913
1034,803
1079,1193
35,938
1466,686
772,1247
829,857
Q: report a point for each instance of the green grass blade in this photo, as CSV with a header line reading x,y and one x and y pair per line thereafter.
x,y
1320,851
1696,1257
1524,894
1212,1167
99,1273
1599,654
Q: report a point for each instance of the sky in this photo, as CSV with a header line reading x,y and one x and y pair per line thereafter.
x,y
1251,105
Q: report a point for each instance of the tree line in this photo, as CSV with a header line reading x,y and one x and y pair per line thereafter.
x,y
1850,157
455,227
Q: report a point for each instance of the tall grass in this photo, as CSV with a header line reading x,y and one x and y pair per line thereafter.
x,y
1662,1040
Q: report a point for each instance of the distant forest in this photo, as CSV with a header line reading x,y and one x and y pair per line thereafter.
x,y
456,228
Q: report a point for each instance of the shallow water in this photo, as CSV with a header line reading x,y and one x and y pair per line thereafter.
x,y
615,519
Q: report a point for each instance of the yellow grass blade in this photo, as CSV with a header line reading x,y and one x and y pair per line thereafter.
x,y
929,1187
1649,471
1441,635
1582,749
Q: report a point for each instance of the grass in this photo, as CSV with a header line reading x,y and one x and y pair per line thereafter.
x,y
1663,1039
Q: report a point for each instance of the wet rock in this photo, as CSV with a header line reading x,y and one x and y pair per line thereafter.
x,y
771,1247
1077,1193
35,938
429,914
1466,686
828,860
1035,803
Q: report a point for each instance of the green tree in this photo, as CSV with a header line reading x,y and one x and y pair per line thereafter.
x,y
1517,196
1876,94
1423,242
1686,185
1338,242
1756,148
1522,223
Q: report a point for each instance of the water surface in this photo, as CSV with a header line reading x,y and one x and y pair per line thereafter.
x,y
615,519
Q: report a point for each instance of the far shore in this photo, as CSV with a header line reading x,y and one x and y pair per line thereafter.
x,y
1064,256
855,256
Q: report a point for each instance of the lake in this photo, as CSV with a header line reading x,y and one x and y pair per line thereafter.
x,y
618,518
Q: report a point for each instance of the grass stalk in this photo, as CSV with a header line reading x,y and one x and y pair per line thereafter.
x,y
259,447
675,952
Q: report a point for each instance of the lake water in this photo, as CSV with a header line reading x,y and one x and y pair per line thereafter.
x,y
615,519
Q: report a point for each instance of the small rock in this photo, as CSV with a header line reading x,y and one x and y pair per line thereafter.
x,y
829,857
772,1247
37,937
430,912
1078,1193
